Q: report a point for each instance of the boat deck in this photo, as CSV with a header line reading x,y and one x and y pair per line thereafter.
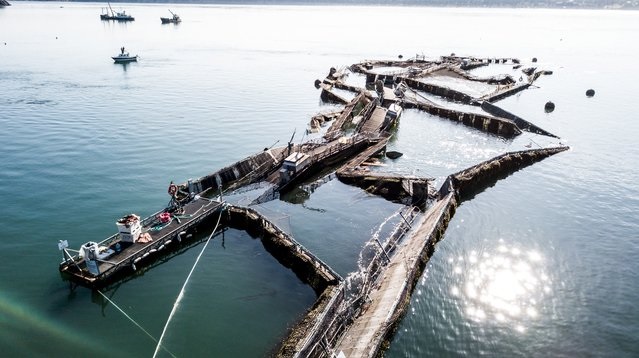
x,y
112,262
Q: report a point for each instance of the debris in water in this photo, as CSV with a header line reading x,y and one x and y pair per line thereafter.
x,y
393,155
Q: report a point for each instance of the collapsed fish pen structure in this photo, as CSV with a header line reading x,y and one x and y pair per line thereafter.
x,y
354,316
408,83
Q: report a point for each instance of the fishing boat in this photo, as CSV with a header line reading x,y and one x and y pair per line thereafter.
x,y
175,19
109,14
124,57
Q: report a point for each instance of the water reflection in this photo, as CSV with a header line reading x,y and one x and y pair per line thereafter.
x,y
125,65
503,284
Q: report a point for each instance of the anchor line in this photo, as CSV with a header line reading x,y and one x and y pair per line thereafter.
x,y
181,294
134,322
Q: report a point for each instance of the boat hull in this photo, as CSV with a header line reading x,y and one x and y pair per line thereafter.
x,y
166,20
125,59
116,18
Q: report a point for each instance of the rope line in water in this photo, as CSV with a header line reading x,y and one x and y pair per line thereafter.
x,y
181,294
134,322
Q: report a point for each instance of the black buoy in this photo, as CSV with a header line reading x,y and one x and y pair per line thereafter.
x,y
534,59
400,57
317,83
590,92
549,107
393,155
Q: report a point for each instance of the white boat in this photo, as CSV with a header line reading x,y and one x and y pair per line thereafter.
x,y
124,57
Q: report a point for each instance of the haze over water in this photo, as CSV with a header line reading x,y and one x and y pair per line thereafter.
x,y
541,264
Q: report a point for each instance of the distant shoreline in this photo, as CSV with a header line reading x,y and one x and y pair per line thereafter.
x,y
497,4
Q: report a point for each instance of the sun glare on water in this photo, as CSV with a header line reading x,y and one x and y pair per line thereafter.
x,y
503,284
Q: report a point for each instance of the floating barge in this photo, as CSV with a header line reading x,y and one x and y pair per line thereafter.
x,y
97,264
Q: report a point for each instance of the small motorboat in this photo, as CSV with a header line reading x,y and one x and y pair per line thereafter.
x,y
175,19
124,57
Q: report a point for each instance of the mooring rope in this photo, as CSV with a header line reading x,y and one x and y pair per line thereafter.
x,y
181,294
134,322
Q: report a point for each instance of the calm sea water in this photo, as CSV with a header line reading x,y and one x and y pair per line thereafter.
x,y
541,264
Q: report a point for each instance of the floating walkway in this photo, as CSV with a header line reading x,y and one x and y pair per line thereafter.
x,y
386,302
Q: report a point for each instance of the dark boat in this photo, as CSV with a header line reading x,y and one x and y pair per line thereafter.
x,y
175,19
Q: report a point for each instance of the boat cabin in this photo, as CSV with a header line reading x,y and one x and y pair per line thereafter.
x,y
293,165
394,111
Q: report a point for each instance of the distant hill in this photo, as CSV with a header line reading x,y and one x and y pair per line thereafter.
x,y
566,4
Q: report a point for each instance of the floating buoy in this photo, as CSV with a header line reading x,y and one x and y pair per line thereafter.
x,y
393,155
534,59
400,57
317,83
549,107
590,92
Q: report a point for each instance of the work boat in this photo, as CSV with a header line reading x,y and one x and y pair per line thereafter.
x,y
139,242
113,15
123,16
175,19
124,57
